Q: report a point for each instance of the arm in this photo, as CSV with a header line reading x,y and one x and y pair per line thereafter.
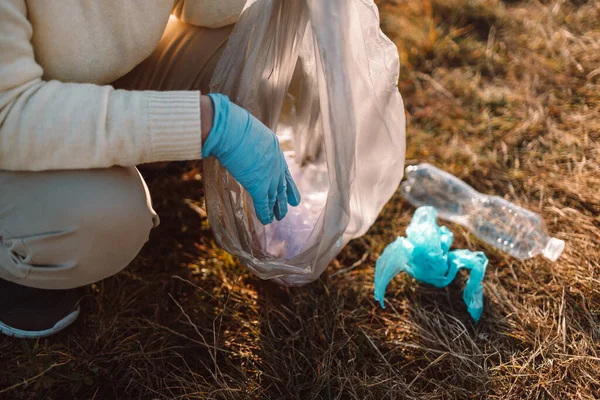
x,y
209,13
54,125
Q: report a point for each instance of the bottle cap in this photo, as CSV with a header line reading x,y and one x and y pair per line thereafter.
x,y
554,249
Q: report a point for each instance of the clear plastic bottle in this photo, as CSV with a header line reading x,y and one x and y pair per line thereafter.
x,y
506,226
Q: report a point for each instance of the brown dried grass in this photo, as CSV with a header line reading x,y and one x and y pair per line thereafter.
x,y
505,94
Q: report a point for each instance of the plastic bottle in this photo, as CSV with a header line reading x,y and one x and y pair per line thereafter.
x,y
506,226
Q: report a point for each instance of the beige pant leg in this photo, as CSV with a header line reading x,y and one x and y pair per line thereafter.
x,y
185,59
65,229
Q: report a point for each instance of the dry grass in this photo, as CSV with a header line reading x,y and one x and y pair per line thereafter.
x,y
505,94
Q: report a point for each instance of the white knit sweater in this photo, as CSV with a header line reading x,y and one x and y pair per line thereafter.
x,y
56,60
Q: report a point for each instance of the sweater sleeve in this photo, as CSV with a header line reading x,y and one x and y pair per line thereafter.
x,y
48,125
209,13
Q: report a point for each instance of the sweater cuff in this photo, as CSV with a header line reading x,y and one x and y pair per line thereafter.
x,y
174,125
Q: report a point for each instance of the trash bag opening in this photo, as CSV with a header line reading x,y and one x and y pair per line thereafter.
x,y
323,76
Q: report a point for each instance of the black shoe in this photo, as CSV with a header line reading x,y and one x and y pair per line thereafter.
x,y
30,313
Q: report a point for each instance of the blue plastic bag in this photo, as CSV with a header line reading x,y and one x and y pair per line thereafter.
x,y
425,255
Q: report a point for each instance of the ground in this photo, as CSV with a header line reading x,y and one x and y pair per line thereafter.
x,y
504,94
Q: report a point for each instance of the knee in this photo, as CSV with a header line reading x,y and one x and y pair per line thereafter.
x,y
81,235
109,234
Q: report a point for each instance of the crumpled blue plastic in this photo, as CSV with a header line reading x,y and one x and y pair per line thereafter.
x,y
425,255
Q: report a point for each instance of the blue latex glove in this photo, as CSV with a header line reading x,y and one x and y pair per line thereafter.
x,y
250,152
477,263
425,256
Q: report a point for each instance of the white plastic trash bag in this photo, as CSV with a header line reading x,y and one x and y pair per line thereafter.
x,y
324,77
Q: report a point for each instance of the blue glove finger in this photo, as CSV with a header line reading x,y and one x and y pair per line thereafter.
x,y
281,207
263,212
265,206
280,211
272,199
293,195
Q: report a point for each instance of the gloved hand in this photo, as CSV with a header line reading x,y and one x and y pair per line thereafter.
x,y
250,152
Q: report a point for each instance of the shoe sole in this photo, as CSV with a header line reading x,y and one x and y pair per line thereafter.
x,y
59,326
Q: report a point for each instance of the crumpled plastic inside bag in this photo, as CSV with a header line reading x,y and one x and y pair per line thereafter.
x,y
425,255
324,77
